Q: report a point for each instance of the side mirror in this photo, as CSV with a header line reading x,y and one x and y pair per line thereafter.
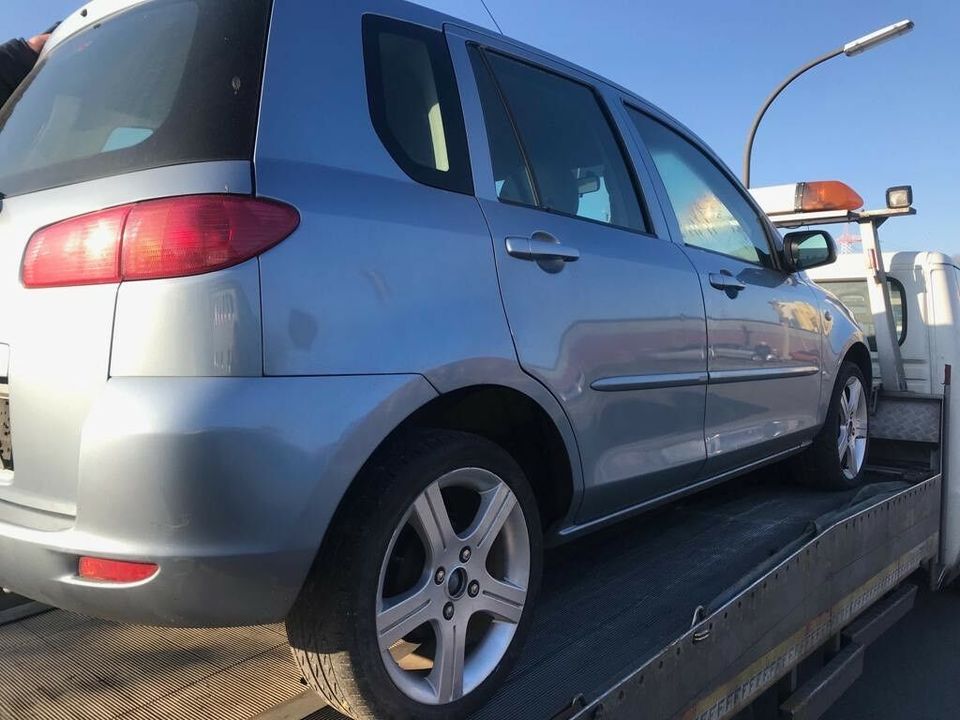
x,y
805,249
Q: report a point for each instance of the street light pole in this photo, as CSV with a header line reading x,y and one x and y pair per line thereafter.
x,y
854,47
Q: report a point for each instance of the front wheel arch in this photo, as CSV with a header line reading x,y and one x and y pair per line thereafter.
x,y
859,354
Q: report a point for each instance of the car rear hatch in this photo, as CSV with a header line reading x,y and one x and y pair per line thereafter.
x,y
132,101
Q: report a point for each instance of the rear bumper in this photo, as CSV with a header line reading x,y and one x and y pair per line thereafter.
x,y
228,484
188,590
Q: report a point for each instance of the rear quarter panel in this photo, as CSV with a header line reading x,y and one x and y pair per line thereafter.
x,y
384,275
60,339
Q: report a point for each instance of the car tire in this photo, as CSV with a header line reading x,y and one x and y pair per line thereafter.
x,y
837,457
354,629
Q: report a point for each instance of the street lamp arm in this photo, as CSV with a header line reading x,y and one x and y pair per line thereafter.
x,y
748,150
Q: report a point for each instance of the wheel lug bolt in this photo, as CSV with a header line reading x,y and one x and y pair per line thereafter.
x,y
448,611
465,554
473,589
440,576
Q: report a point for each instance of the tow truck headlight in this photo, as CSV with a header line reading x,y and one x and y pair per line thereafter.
x,y
899,197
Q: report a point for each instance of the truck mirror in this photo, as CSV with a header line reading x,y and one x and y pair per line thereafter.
x,y
805,249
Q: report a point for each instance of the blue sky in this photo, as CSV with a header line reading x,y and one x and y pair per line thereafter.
x,y
887,117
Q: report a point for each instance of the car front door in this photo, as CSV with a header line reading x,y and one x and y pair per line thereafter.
x,y
763,324
605,310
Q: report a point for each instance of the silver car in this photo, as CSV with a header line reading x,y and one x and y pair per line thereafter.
x,y
337,313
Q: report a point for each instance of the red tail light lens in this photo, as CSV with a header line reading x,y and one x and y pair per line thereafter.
x,y
81,251
190,235
114,571
166,238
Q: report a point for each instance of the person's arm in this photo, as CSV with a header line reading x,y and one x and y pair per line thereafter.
x,y
17,58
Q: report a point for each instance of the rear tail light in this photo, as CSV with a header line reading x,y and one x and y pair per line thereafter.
x,y
166,238
114,571
81,251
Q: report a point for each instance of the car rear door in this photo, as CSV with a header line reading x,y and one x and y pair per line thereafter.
x,y
763,323
604,309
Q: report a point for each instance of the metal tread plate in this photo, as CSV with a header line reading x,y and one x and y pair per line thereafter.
x,y
902,417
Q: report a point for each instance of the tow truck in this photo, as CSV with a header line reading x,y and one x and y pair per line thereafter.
x,y
756,599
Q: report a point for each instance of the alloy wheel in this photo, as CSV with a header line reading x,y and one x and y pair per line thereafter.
x,y
453,586
852,435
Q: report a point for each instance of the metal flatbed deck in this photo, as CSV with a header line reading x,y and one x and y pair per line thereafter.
x,y
616,615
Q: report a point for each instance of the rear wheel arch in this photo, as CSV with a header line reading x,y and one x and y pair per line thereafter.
x,y
512,420
522,427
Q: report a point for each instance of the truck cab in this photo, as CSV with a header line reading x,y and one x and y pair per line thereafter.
x,y
924,291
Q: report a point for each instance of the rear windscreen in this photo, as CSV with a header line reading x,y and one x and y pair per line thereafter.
x,y
163,83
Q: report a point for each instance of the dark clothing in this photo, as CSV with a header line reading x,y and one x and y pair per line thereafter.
x,y
16,61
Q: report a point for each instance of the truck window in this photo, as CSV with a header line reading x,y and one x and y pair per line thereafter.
x,y
854,294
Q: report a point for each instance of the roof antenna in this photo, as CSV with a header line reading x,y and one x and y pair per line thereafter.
x,y
484,3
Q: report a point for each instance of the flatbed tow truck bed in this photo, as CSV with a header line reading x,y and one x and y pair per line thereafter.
x,y
771,572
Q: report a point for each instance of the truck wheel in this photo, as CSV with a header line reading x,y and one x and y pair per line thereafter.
x,y
420,600
838,455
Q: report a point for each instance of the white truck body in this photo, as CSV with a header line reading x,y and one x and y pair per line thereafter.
x,y
925,299
925,303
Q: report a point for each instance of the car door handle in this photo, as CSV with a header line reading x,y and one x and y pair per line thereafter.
x,y
724,280
540,247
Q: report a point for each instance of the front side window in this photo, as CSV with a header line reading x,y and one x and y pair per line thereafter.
x,y
414,102
551,144
711,211
856,296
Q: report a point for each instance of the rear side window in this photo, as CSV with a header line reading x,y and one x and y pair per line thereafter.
x,y
855,295
415,104
163,83
552,144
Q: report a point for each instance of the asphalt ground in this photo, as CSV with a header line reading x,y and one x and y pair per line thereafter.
x,y
912,672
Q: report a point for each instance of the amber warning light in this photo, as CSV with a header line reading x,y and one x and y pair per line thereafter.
x,y
819,196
